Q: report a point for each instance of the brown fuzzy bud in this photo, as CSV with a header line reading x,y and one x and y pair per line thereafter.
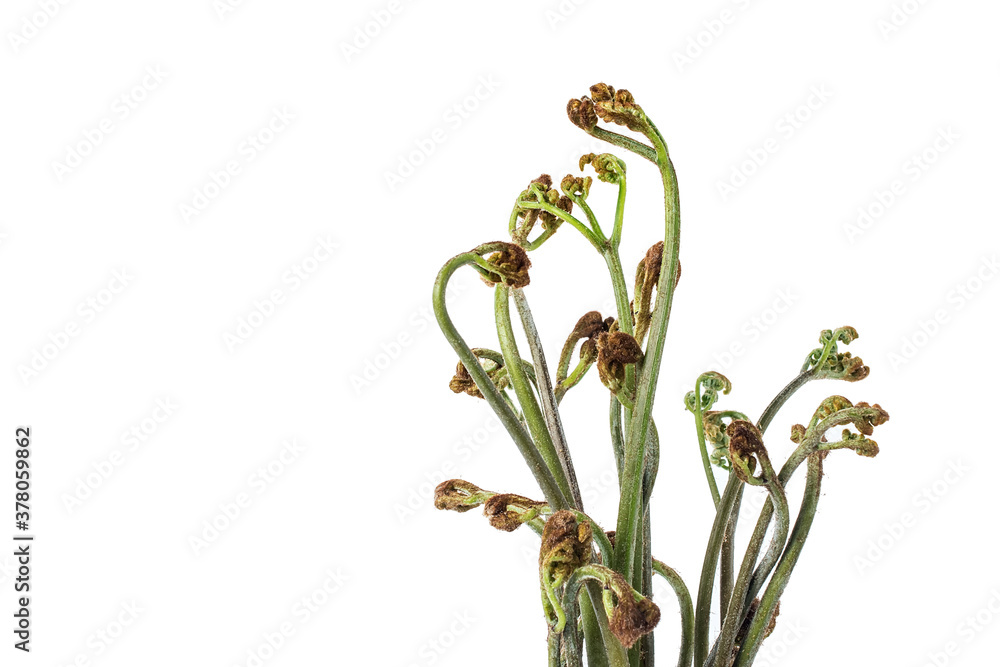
x,y
566,545
654,261
647,278
861,445
744,439
512,266
540,190
544,180
609,168
458,495
462,382
870,417
578,186
633,616
602,92
590,325
745,443
614,351
587,329
854,368
617,107
829,406
582,114
843,366
507,511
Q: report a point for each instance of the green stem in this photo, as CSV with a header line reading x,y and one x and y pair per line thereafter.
x,y
587,232
546,481
603,543
620,289
553,641
806,449
617,437
630,507
767,511
779,581
548,399
572,379
778,401
687,611
585,579
591,612
727,558
699,422
703,608
589,212
525,397
727,637
616,233
542,238
648,651
628,143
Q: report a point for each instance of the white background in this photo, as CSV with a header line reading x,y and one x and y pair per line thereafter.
x,y
350,366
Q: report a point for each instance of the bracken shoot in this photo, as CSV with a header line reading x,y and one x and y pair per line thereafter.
x,y
595,585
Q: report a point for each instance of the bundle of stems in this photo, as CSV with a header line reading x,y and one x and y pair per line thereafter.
x,y
596,585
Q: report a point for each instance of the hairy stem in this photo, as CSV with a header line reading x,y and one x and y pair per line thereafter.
x,y
778,401
699,422
703,608
727,558
628,143
727,636
546,481
630,508
525,397
549,409
779,581
687,611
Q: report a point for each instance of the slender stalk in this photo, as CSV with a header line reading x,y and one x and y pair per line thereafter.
x,y
617,437
565,359
572,380
592,613
529,406
778,401
767,511
687,611
542,238
727,558
548,399
620,289
609,654
589,212
764,520
648,652
587,232
628,143
703,608
699,422
779,581
630,507
553,641
546,481
727,636
616,233
603,543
